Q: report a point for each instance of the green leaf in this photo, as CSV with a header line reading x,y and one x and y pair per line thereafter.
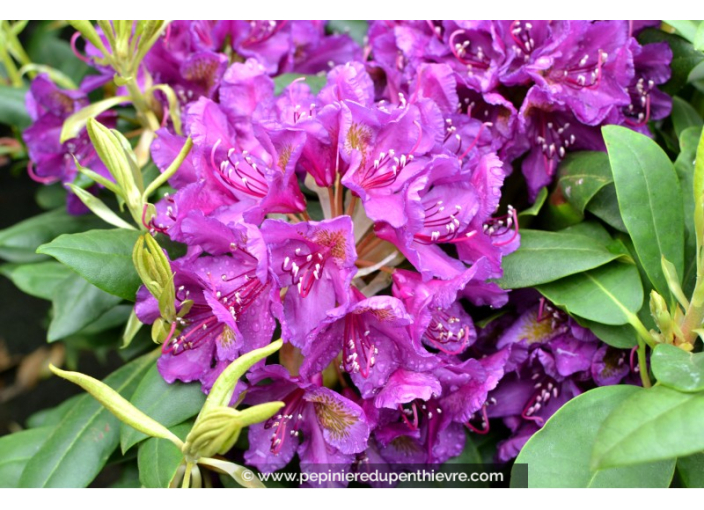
x,y
53,415
698,41
76,304
608,295
684,116
582,175
654,424
80,444
314,81
12,109
547,256
117,405
19,242
99,208
558,455
169,404
45,47
16,450
691,470
604,206
159,459
684,166
129,478
677,369
650,201
686,28
103,257
621,337
38,280
534,209
356,29
684,57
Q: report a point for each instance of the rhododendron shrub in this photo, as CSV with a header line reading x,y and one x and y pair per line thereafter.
x,y
322,252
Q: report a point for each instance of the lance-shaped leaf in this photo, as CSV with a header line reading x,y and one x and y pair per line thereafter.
x,y
221,392
118,405
548,256
99,208
169,404
16,450
650,200
610,295
654,424
569,437
38,280
678,369
101,256
582,175
159,459
86,436
76,304
19,242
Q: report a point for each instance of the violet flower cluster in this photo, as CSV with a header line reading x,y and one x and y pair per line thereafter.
x,y
362,223
546,86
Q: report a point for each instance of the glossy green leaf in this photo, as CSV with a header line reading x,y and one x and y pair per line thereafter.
x,y
604,206
547,256
12,109
582,175
677,369
356,29
534,209
686,28
39,279
80,444
16,450
103,257
608,295
117,405
691,470
684,116
19,242
698,41
169,404
76,304
621,337
654,424
559,454
159,459
684,166
315,82
650,200
53,415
